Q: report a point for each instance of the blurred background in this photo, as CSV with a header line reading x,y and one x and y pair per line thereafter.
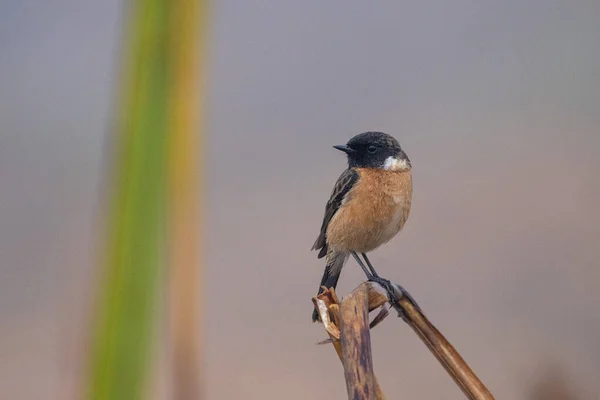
x,y
497,105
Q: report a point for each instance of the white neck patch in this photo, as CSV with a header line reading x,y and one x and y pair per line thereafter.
x,y
393,164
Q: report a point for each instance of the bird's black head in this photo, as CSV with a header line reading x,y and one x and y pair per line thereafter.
x,y
375,150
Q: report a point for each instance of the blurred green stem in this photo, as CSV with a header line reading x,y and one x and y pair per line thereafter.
x,y
127,298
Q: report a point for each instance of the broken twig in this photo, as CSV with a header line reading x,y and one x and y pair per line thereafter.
x,y
346,322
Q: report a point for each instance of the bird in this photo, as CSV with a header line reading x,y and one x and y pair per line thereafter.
x,y
369,205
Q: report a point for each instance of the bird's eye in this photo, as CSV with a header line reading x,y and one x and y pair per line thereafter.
x,y
372,149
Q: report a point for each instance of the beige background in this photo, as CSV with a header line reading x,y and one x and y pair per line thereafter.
x,y
496,103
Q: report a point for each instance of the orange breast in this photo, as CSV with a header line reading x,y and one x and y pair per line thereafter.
x,y
374,211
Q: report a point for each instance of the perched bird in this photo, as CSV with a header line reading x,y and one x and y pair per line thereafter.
x,y
369,204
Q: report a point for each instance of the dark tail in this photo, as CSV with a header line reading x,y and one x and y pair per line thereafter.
x,y
330,278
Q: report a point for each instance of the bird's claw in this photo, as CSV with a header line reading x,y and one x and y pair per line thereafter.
x,y
390,288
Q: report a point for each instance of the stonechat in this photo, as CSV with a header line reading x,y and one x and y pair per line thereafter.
x,y
369,204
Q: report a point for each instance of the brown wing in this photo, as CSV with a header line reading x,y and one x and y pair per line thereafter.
x,y
343,185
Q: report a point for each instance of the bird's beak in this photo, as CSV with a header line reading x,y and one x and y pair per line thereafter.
x,y
345,149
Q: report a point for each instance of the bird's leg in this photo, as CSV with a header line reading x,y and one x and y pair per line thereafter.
x,y
387,285
362,266
373,272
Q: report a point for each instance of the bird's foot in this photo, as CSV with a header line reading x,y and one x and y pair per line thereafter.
x,y
390,288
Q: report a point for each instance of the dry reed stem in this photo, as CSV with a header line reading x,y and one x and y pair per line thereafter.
x,y
329,310
356,345
328,306
441,348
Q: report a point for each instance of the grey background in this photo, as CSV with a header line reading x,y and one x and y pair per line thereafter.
x,y
496,104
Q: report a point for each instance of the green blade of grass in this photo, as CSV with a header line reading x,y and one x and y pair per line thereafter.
x,y
127,298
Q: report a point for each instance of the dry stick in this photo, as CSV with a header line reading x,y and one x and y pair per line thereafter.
x,y
329,310
356,345
453,363
445,353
